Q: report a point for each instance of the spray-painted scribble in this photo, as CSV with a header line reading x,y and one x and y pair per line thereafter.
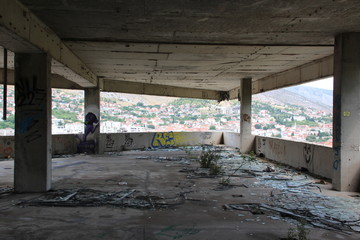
x,y
27,92
308,152
163,140
337,159
128,140
109,141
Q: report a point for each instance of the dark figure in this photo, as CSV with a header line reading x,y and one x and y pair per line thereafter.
x,y
90,120
91,123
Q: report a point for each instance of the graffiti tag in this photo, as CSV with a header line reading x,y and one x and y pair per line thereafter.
x,y
128,140
308,152
163,140
28,93
109,141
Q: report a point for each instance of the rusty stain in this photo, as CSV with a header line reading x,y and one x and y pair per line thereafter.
x,y
246,117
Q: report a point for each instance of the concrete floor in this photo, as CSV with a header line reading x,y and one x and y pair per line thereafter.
x,y
151,173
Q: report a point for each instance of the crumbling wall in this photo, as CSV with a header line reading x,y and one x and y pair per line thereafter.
x,y
317,159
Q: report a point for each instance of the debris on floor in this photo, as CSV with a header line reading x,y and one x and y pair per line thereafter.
x,y
130,198
242,186
6,190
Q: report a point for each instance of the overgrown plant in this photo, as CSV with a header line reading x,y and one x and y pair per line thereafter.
x,y
208,159
214,169
300,233
303,233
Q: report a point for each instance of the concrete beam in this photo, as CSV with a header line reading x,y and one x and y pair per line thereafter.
x,y
57,81
308,72
234,93
157,90
22,32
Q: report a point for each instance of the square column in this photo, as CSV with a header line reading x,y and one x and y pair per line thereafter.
x,y
90,141
246,139
346,120
32,122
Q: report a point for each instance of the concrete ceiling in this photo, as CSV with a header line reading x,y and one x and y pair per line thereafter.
x,y
196,43
256,22
213,67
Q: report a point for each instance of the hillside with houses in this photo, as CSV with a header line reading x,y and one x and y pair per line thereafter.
x,y
301,118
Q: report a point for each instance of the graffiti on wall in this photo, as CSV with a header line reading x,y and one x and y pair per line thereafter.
x,y
336,163
91,124
30,102
129,141
261,142
308,153
109,143
28,92
166,139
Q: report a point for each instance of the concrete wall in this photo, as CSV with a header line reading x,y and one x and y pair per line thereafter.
x,y
127,141
232,139
67,143
317,159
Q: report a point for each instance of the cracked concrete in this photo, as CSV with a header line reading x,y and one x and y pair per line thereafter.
x,y
200,213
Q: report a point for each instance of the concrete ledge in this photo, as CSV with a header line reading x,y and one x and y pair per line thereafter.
x,y
317,159
232,139
128,141
114,142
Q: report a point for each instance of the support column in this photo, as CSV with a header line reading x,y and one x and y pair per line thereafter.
x,y
32,122
92,119
346,111
246,139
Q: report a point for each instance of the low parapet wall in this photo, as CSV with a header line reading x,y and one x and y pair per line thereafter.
x,y
113,142
127,141
317,159
232,139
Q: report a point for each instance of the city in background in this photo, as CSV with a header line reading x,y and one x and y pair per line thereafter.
x,y
300,113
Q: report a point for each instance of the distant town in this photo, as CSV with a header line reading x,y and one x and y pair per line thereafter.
x,y
136,113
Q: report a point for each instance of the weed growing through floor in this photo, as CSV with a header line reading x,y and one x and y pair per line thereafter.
x,y
247,159
300,233
291,234
209,158
303,233
214,169
225,181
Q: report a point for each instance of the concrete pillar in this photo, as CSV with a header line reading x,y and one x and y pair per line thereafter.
x,y
92,125
32,122
246,139
346,132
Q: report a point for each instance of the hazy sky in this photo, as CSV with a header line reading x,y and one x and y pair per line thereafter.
x,y
326,83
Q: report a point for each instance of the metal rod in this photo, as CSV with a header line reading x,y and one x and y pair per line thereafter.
x,y
5,75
